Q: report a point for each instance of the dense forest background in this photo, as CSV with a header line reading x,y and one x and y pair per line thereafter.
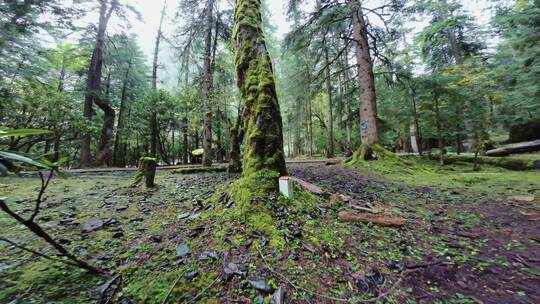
x,y
440,77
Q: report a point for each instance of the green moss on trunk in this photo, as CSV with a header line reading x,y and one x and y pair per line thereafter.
x,y
373,152
263,155
145,173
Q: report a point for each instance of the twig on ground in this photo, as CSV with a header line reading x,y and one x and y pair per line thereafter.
x,y
202,291
284,278
389,291
34,252
173,286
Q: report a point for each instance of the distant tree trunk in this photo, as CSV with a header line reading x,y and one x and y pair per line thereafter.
x,y
185,143
154,128
255,79
330,123
219,147
369,131
439,130
93,81
119,157
310,127
297,127
348,110
107,131
196,139
237,136
207,86
416,123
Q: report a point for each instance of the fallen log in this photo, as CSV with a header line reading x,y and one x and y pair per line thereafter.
x,y
385,221
309,186
522,147
195,170
333,162
503,162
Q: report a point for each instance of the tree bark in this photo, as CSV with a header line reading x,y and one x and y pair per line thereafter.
x,y
255,78
185,142
439,130
153,116
237,136
93,81
369,131
119,158
330,122
106,139
207,86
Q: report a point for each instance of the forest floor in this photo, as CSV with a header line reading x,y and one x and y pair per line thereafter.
x,y
470,237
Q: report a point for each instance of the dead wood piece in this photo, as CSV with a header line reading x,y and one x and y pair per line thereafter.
x,y
385,221
333,162
522,147
309,186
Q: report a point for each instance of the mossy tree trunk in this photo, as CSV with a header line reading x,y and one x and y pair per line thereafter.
x,y
263,154
145,173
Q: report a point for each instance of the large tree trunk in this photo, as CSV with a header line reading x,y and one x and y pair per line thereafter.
x,y
207,86
330,123
106,139
263,156
93,81
369,131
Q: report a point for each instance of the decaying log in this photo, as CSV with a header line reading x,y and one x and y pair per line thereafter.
x,y
385,221
309,186
522,147
333,162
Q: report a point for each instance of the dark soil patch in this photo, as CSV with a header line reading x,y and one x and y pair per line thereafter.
x,y
493,257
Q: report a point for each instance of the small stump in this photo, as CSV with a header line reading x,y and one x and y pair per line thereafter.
x,y
145,173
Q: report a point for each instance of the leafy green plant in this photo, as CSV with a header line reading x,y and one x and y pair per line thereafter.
x,y
5,160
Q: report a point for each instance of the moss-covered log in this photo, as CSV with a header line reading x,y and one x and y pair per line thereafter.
x,y
523,147
200,170
261,116
146,172
503,162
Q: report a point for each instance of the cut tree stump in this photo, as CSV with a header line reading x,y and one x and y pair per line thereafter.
x,y
385,221
146,172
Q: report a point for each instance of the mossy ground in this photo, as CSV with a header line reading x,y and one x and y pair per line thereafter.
x,y
301,238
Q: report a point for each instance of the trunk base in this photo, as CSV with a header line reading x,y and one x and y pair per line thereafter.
x,y
372,152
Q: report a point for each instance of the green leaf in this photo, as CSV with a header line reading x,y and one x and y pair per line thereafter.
x,y
22,159
22,132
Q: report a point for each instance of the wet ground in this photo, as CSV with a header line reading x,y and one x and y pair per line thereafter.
x,y
500,245
457,246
